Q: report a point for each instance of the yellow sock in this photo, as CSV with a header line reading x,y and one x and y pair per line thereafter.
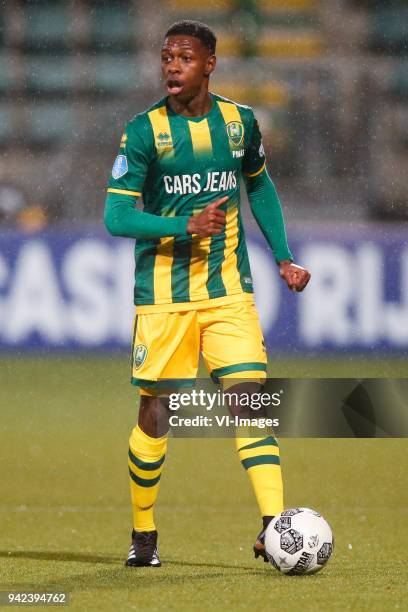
x,y
260,457
146,458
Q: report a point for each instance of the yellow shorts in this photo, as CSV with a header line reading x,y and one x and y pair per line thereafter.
x,y
167,345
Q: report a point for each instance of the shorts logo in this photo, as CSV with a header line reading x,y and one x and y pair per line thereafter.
x,y
139,355
235,131
120,167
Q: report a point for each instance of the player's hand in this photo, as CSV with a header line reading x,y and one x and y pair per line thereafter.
x,y
210,221
295,276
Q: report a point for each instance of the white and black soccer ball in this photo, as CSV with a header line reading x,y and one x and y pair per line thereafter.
x,y
299,541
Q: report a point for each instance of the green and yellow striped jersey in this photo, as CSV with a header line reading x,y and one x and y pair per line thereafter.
x,y
179,165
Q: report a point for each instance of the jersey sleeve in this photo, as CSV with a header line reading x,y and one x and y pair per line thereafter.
x,y
134,157
254,158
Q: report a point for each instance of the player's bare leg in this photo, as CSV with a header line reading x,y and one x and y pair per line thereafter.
x,y
154,415
147,450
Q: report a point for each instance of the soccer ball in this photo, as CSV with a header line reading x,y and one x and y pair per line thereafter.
x,y
299,541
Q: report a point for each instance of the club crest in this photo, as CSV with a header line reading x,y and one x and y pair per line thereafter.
x,y
120,167
139,355
235,131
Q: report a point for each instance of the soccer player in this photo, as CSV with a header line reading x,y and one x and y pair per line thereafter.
x,y
186,156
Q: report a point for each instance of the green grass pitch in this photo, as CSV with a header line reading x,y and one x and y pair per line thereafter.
x,y
65,515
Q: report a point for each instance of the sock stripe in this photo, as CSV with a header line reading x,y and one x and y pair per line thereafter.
x,y
144,482
143,473
270,440
144,465
254,452
260,460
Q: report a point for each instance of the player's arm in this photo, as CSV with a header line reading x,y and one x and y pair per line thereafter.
x,y
267,210
121,216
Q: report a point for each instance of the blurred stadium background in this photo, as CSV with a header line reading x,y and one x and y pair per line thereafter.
x,y
329,83
328,80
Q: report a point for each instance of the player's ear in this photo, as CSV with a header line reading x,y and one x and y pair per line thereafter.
x,y
210,65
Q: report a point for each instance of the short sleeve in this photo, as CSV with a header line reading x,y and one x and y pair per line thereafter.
x,y
254,158
134,157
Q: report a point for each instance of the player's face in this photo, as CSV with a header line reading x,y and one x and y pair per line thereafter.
x,y
186,65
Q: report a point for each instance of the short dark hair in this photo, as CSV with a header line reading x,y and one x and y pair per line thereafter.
x,y
194,28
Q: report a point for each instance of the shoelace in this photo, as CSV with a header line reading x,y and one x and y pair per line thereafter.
x,y
145,544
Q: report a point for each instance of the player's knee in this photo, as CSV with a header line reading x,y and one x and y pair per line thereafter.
x,y
154,403
241,396
154,416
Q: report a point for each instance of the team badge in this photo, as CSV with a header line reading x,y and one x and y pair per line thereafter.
x,y
120,167
235,131
139,355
